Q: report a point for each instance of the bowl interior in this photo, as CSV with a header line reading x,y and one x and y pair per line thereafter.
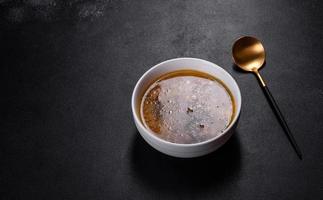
x,y
181,64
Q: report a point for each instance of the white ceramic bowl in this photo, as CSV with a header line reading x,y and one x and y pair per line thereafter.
x,y
184,150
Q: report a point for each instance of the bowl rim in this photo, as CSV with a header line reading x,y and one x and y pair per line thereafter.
x,y
139,123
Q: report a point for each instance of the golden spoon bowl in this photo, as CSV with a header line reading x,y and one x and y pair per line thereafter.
x,y
248,53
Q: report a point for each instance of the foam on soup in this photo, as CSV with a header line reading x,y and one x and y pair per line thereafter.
x,y
187,107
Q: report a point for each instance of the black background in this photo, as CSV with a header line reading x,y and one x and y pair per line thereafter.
x,y
68,70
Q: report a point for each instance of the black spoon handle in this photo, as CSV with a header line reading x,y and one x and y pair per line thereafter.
x,y
282,120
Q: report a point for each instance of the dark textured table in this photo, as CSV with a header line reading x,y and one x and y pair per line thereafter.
x,y
68,70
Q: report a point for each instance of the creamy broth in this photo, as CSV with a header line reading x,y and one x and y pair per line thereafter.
x,y
187,107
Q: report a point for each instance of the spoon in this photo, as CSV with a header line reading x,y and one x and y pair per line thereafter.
x,y
249,55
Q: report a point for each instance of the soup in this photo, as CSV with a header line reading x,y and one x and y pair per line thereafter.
x,y
187,107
